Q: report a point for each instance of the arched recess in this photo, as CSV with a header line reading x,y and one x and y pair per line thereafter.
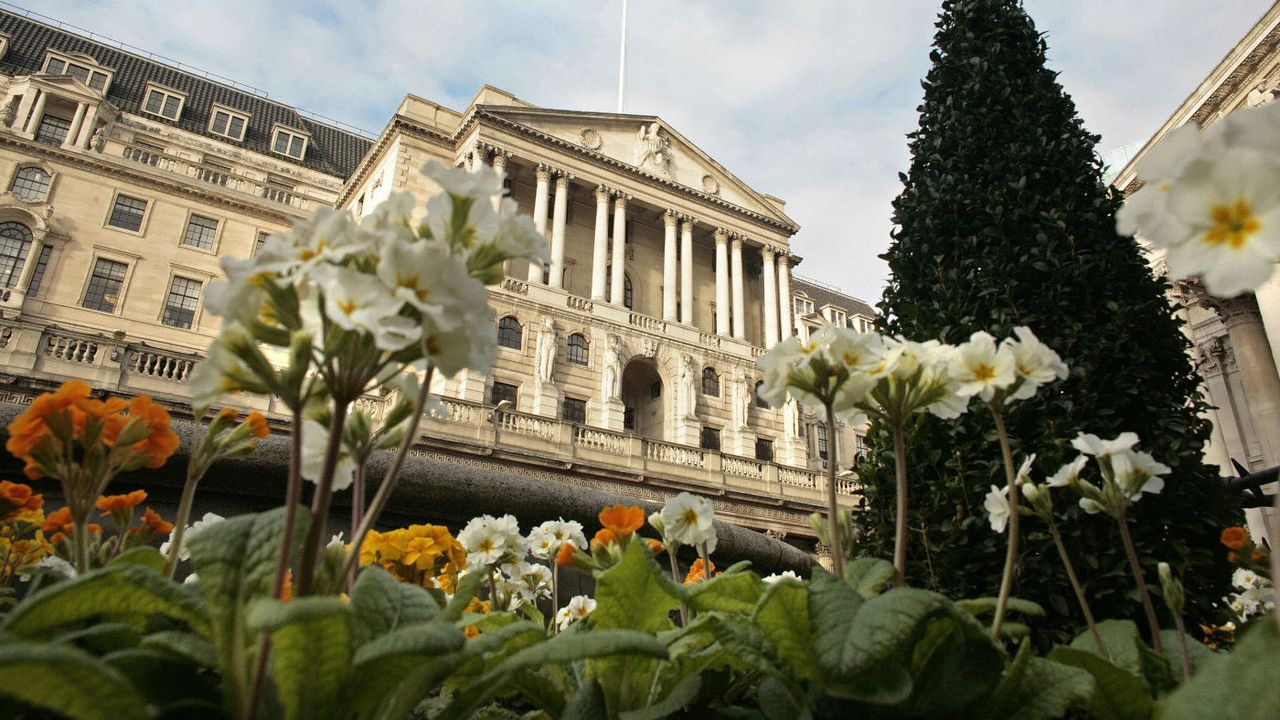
x,y
644,397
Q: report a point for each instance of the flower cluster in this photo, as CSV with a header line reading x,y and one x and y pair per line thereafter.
x,y
1211,200
548,538
700,570
191,531
426,555
619,524
579,607
1254,594
22,540
490,541
131,530
521,584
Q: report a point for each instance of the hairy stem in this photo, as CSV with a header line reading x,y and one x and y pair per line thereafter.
x,y
194,474
1011,558
900,531
321,500
833,506
1274,531
1182,646
1075,585
1136,567
675,577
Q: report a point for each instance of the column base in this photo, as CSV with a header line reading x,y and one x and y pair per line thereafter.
x,y
545,400
607,414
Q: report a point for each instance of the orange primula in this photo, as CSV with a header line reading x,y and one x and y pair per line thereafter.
x,y
1258,555
17,501
566,554
698,571
655,546
604,536
257,425
160,444
1235,537
119,503
58,520
158,525
622,520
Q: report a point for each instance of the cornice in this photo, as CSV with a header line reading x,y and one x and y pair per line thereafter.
x,y
404,126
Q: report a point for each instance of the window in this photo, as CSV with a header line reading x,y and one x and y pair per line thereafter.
x,y
84,72
15,243
761,402
710,382
31,184
510,334
859,445
180,304
710,438
105,283
200,232
37,276
262,240
165,103
820,433
837,317
578,350
655,390
629,419
289,142
574,410
503,391
764,449
52,130
227,123
802,306
628,300
127,213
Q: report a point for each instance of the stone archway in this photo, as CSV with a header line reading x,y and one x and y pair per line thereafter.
x,y
643,397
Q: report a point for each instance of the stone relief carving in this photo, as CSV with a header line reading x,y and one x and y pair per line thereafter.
x,y
710,185
653,146
1217,355
649,348
741,398
590,139
611,378
98,140
1262,94
687,396
7,113
548,343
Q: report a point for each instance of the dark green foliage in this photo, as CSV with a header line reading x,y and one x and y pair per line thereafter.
x,y
1004,221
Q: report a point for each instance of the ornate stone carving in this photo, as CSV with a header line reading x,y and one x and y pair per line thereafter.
x,y
548,343
611,378
1217,355
741,397
687,385
710,185
649,348
653,146
1260,95
590,139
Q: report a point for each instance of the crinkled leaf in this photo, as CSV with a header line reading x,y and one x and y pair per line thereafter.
x,y
144,555
391,673
165,679
118,591
1121,638
586,704
1237,686
685,692
184,644
101,638
868,575
380,604
310,652
736,593
1033,688
832,607
468,586
783,617
954,666
1198,652
1120,695
66,681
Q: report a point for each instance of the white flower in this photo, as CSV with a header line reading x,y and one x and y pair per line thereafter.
x,y
688,519
489,540
1244,579
1090,444
1035,363
355,301
981,368
1024,472
546,539
335,541
191,579
1137,472
392,214
834,364
997,505
779,577
533,579
472,345
240,296
579,607
315,439
1067,474
53,564
1091,506
483,184
192,530
426,276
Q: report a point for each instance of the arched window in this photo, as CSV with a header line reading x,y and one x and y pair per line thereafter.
x,y
760,401
577,353
15,242
31,184
628,299
510,334
710,382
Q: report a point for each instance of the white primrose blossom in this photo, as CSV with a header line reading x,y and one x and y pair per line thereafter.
x,y
315,440
980,368
1068,473
192,530
489,540
1091,444
689,520
1035,363
779,577
546,539
578,608
1126,474
997,506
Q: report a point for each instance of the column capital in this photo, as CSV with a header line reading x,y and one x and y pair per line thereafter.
x,y
562,179
689,221
721,236
602,194
542,172
620,200
670,218
767,252
735,241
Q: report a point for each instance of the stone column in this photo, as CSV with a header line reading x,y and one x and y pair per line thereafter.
x,y
86,130
618,278
19,292
686,271
77,122
543,174
669,280
477,158
34,121
785,303
24,109
600,250
1257,369
770,298
557,231
499,166
735,275
722,282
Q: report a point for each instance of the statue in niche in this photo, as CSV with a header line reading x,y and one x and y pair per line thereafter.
x,y
99,139
546,351
651,144
687,398
790,419
741,398
7,113
611,379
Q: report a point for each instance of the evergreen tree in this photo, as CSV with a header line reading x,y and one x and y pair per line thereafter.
x,y
1003,221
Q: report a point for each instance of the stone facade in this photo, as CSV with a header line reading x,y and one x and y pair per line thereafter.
x,y
627,364
1236,340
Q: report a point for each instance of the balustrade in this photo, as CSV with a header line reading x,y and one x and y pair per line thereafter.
x,y
518,287
675,454
602,440
164,366
743,467
215,175
797,477
69,348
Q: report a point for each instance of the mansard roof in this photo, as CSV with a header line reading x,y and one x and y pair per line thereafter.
x,y
822,295
330,150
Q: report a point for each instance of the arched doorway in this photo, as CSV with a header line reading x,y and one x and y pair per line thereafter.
x,y
642,396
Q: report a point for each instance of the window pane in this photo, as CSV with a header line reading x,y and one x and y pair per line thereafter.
x,y
574,411
127,213
154,101
31,184
200,232
52,130
764,449
180,305
15,242
79,72
171,107
237,128
501,392
710,382
710,438
509,333
577,353
98,81
282,142
56,66
104,285
295,148
219,124
42,264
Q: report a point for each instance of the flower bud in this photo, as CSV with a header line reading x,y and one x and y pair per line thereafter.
x,y
1171,588
656,522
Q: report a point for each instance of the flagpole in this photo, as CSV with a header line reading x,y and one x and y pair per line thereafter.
x,y
622,61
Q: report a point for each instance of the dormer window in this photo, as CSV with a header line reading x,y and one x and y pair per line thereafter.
x,y
82,68
163,102
4,45
228,123
290,142
835,316
803,306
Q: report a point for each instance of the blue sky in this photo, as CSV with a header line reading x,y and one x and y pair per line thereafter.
x,y
809,100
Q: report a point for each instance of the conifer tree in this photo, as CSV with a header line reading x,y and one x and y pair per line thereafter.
x,y
1003,221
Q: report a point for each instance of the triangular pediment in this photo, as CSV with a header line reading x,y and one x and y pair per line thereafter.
x,y
649,145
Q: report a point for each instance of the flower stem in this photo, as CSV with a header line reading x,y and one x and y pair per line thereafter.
x,y
321,500
1147,607
555,597
900,533
81,540
357,514
1274,529
1011,558
833,507
1182,646
194,474
392,477
675,577
1075,585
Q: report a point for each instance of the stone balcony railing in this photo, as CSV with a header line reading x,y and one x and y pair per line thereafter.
x,y
216,176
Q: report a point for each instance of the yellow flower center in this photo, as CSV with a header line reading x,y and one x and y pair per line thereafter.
x,y
1232,224
411,283
347,306
690,516
984,372
851,359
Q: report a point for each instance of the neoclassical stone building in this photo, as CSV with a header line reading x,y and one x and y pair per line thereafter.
x,y
1236,339
627,364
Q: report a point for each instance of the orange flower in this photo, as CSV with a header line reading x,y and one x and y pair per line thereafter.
x,y
105,411
471,632
604,536
566,554
118,503
655,546
698,571
1235,537
17,499
159,525
160,444
1233,557
228,415
59,519
28,430
257,425
622,520
1258,555
286,592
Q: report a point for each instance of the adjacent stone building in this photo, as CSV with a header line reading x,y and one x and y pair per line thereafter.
x,y
627,364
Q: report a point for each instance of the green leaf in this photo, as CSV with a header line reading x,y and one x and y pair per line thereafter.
x,y
1198,652
310,652
987,605
101,638
1237,686
954,666
380,604
1121,638
1033,688
586,704
783,617
66,681
184,644
731,593
1120,695
685,692
391,673
166,680
468,586
832,607
869,575
144,555
117,591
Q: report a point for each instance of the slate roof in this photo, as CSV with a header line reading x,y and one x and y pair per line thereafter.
x,y
330,150
824,295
